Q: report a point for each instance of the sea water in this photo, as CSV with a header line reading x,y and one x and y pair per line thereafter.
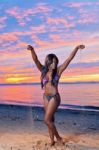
x,y
73,96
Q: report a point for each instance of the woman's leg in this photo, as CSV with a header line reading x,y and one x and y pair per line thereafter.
x,y
51,108
50,132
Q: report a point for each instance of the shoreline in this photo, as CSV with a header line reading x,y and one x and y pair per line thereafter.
x,y
66,107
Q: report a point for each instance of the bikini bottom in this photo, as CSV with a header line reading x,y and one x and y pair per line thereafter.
x,y
50,96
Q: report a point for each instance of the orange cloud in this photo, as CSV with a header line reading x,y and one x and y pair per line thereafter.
x,y
33,75
81,78
81,71
8,37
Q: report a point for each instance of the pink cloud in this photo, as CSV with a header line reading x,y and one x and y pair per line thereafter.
x,y
58,21
42,9
55,37
87,17
46,44
38,29
81,71
13,48
3,19
7,69
16,12
75,35
81,4
86,20
13,69
2,26
24,15
3,22
76,5
71,17
57,40
9,37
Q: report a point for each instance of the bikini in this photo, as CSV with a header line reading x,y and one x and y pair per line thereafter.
x,y
55,81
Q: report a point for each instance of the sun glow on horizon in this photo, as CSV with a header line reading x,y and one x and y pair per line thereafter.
x,y
15,79
81,78
76,78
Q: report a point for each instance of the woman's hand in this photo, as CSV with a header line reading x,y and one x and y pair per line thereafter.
x,y
81,46
29,47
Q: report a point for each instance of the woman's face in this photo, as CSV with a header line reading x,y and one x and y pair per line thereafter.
x,y
53,64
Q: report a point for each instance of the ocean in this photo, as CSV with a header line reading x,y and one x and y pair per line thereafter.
x,y
73,96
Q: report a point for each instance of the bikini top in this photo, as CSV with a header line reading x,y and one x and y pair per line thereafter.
x,y
46,79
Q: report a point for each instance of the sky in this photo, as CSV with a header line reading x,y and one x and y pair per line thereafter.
x,y
50,27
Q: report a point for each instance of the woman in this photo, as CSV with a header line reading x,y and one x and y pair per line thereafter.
x,y
50,75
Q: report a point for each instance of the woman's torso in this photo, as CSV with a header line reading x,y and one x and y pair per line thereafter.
x,y
49,88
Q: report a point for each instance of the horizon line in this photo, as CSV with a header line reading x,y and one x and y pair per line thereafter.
x,y
39,83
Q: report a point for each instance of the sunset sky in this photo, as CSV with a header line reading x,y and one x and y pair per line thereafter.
x,y
51,27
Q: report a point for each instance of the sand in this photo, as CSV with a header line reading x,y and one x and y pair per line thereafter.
x,y
80,131
30,141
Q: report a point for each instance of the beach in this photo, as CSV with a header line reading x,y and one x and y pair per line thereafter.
x,y
23,128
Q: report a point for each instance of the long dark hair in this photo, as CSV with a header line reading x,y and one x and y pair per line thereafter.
x,y
45,68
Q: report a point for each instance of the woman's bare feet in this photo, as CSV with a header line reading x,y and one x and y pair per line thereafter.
x,y
60,141
52,143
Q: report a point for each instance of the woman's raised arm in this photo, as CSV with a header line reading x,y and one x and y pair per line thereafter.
x,y
63,66
35,58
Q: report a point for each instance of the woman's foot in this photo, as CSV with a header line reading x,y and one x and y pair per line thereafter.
x,y
52,143
60,141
